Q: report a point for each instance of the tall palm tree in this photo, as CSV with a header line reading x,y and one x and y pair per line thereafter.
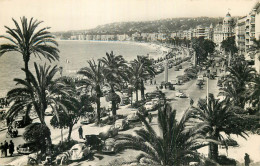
x,y
113,71
146,72
93,77
40,93
26,40
175,145
219,117
134,74
240,74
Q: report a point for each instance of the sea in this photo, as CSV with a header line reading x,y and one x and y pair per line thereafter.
x,y
73,56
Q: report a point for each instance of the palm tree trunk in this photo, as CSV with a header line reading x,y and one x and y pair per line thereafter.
x,y
70,131
113,102
142,89
213,148
98,110
136,94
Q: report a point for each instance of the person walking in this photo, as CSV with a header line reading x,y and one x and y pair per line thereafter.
x,y
191,102
5,148
11,148
2,149
80,132
247,159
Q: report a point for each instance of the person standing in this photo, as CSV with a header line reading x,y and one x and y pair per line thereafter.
x,y
2,149
191,102
11,148
5,148
80,132
150,117
247,159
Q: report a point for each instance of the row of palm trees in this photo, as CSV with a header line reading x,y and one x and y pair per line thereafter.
x,y
39,91
115,71
209,123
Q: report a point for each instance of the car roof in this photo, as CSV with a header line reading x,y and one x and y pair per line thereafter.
x,y
79,146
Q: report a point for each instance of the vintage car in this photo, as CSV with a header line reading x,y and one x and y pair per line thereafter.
x,y
89,118
149,106
109,146
133,116
94,141
79,151
180,94
27,148
109,131
121,124
21,122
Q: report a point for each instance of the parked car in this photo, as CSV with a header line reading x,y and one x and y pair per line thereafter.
x,y
21,122
109,146
79,151
149,106
180,94
94,141
155,101
200,77
109,131
133,116
27,148
89,118
121,124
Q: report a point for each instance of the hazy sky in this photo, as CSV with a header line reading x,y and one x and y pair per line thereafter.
x,y
64,15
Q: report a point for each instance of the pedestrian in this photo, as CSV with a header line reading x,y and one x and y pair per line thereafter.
x,y
151,82
150,117
5,148
11,148
247,159
80,132
191,102
2,149
154,82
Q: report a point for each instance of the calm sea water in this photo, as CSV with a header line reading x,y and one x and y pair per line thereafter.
x,y
75,52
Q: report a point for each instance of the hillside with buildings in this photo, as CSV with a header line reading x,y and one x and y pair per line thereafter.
x,y
158,26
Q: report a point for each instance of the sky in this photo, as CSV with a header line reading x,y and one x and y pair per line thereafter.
x,y
64,15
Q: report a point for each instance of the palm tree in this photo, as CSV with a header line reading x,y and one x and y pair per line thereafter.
x,y
147,71
93,77
219,117
40,93
240,74
254,92
134,74
176,144
26,40
113,71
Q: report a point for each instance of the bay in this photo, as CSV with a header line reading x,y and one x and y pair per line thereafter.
x,y
73,56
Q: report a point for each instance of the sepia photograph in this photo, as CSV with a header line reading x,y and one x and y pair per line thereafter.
x,y
130,82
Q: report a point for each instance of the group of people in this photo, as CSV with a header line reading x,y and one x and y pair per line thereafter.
x,y
5,146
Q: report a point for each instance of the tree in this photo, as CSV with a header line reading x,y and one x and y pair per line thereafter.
x,y
254,92
77,108
40,93
26,40
176,145
219,117
113,72
37,132
146,71
240,74
94,78
229,45
134,74
202,48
